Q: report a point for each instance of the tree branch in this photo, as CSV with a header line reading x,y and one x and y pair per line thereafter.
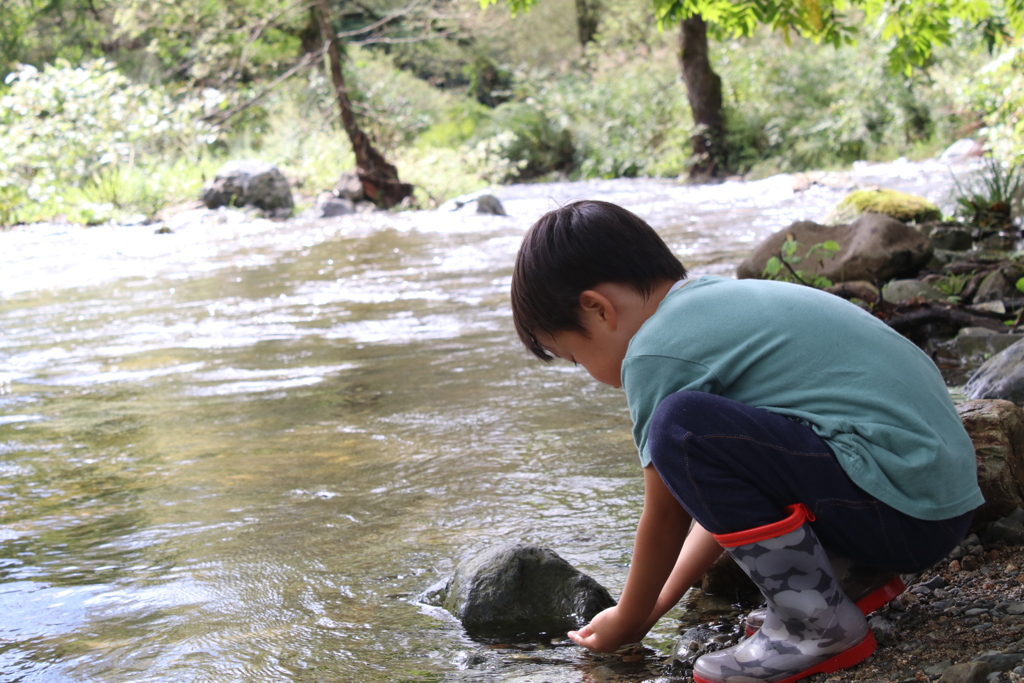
x,y
370,28
219,118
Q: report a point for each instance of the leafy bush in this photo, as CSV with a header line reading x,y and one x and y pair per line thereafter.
x,y
524,135
997,91
631,121
985,196
66,127
806,106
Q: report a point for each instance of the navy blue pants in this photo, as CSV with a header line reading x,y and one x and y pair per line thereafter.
x,y
734,467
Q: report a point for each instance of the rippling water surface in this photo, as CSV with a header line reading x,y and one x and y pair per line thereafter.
x,y
237,452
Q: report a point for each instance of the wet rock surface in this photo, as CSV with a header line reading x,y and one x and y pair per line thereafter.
x,y
1000,377
519,589
874,247
996,429
899,205
250,183
962,620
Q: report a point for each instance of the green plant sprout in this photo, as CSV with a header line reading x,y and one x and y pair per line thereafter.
x,y
784,266
986,195
952,285
1014,323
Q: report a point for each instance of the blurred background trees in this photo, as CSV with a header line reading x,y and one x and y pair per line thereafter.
x,y
137,101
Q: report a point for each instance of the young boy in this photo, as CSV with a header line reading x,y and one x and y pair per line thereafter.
x,y
782,420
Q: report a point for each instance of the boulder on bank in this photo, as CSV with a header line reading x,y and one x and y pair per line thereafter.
x,y
899,291
1001,283
250,183
904,207
519,588
875,248
1000,377
948,235
980,343
329,206
349,187
996,429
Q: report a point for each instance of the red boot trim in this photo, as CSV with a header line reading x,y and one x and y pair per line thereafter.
x,y
880,596
844,660
798,515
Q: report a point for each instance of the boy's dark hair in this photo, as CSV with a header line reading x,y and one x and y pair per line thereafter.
x,y
572,249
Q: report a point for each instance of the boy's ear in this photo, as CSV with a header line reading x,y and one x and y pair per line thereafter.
x,y
598,308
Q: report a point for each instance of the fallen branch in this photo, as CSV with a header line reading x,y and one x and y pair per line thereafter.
x,y
907,322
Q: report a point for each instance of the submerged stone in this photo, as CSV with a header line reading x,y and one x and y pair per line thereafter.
x,y
489,204
519,588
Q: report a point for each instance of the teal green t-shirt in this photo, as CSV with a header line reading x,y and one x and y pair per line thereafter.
x,y
877,399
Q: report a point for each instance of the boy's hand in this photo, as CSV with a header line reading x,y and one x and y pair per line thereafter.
x,y
605,633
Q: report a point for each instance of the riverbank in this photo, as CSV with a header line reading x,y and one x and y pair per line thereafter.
x,y
220,463
957,613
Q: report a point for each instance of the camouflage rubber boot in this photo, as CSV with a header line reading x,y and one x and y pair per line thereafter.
x,y
869,587
811,626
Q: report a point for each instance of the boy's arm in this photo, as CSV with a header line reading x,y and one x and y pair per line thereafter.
x,y
659,537
698,554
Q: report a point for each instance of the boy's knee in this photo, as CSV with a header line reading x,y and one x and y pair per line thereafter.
x,y
669,423
681,409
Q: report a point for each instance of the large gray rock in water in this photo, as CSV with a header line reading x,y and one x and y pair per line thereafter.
x,y
875,248
996,429
521,589
250,183
1001,376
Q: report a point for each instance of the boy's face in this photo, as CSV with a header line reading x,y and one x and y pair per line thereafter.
x,y
610,315
600,358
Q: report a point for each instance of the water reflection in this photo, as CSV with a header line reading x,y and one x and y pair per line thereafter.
x,y
235,453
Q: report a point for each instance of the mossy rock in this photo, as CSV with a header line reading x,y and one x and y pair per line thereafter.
x,y
899,205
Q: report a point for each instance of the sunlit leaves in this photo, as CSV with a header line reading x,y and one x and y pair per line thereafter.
x,y
913,28
64,125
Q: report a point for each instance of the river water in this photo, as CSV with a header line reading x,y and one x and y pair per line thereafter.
x,y
238,451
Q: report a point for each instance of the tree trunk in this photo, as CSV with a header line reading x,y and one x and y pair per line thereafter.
x,y
379,178
704,90
586,20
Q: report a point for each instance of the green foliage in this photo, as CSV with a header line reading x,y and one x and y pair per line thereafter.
x,y
630,121
886,201
800,107
39,31
952,284
984,196
212,42
996,90
66,127
784,266
525,135
911,30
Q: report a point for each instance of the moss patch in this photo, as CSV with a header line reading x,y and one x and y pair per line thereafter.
x,y
900,205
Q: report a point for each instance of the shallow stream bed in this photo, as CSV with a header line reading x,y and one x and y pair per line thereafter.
x,y
238,451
